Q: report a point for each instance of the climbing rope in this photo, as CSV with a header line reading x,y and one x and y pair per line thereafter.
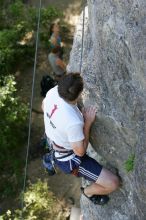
x,y
82,45
31,103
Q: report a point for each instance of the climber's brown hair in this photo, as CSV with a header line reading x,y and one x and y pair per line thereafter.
x,y
70,86
51,28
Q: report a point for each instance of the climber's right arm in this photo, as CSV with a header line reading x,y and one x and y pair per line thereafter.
x,y
60,63
80,147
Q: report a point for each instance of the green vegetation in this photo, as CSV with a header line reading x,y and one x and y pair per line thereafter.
x,y
129,164
40,203
18,23
13,116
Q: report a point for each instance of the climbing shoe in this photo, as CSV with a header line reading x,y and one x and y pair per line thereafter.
x,y
97,199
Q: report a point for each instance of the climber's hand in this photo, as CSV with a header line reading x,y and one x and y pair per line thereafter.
x,y
89,114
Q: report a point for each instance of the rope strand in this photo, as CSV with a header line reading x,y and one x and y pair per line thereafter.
x,y
31,104
82,45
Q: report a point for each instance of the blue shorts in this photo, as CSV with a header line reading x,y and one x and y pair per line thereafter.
x,y
87,167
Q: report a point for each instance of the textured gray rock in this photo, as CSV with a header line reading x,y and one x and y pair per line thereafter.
x,y
114,72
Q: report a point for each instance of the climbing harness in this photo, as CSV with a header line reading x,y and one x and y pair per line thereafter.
x,y
52,155
30,113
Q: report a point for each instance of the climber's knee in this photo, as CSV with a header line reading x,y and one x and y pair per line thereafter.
x,y
114,183
108,180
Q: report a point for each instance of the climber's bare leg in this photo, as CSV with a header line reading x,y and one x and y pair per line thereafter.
x,y
106,183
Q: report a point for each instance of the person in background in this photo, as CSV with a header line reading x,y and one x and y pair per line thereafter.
x,y
57,65
68,130
55,39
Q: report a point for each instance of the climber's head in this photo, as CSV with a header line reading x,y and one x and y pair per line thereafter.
x,y
70,87
54,28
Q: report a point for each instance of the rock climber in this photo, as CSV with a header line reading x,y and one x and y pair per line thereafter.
x,y
57,64
55,39
68,129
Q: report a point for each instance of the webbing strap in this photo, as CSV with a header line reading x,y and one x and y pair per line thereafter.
x,y
66,155
60,147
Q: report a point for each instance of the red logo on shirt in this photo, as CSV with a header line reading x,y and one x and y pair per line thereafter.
x,y
53,110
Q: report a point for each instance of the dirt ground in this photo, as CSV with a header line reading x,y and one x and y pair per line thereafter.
x,y
65,187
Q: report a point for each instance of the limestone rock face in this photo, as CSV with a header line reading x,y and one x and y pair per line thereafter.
x,y
114,72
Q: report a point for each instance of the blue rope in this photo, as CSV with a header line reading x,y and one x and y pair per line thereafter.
x,y
82,46
31,104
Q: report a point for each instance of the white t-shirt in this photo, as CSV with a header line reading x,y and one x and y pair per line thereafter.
x,y
63,121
